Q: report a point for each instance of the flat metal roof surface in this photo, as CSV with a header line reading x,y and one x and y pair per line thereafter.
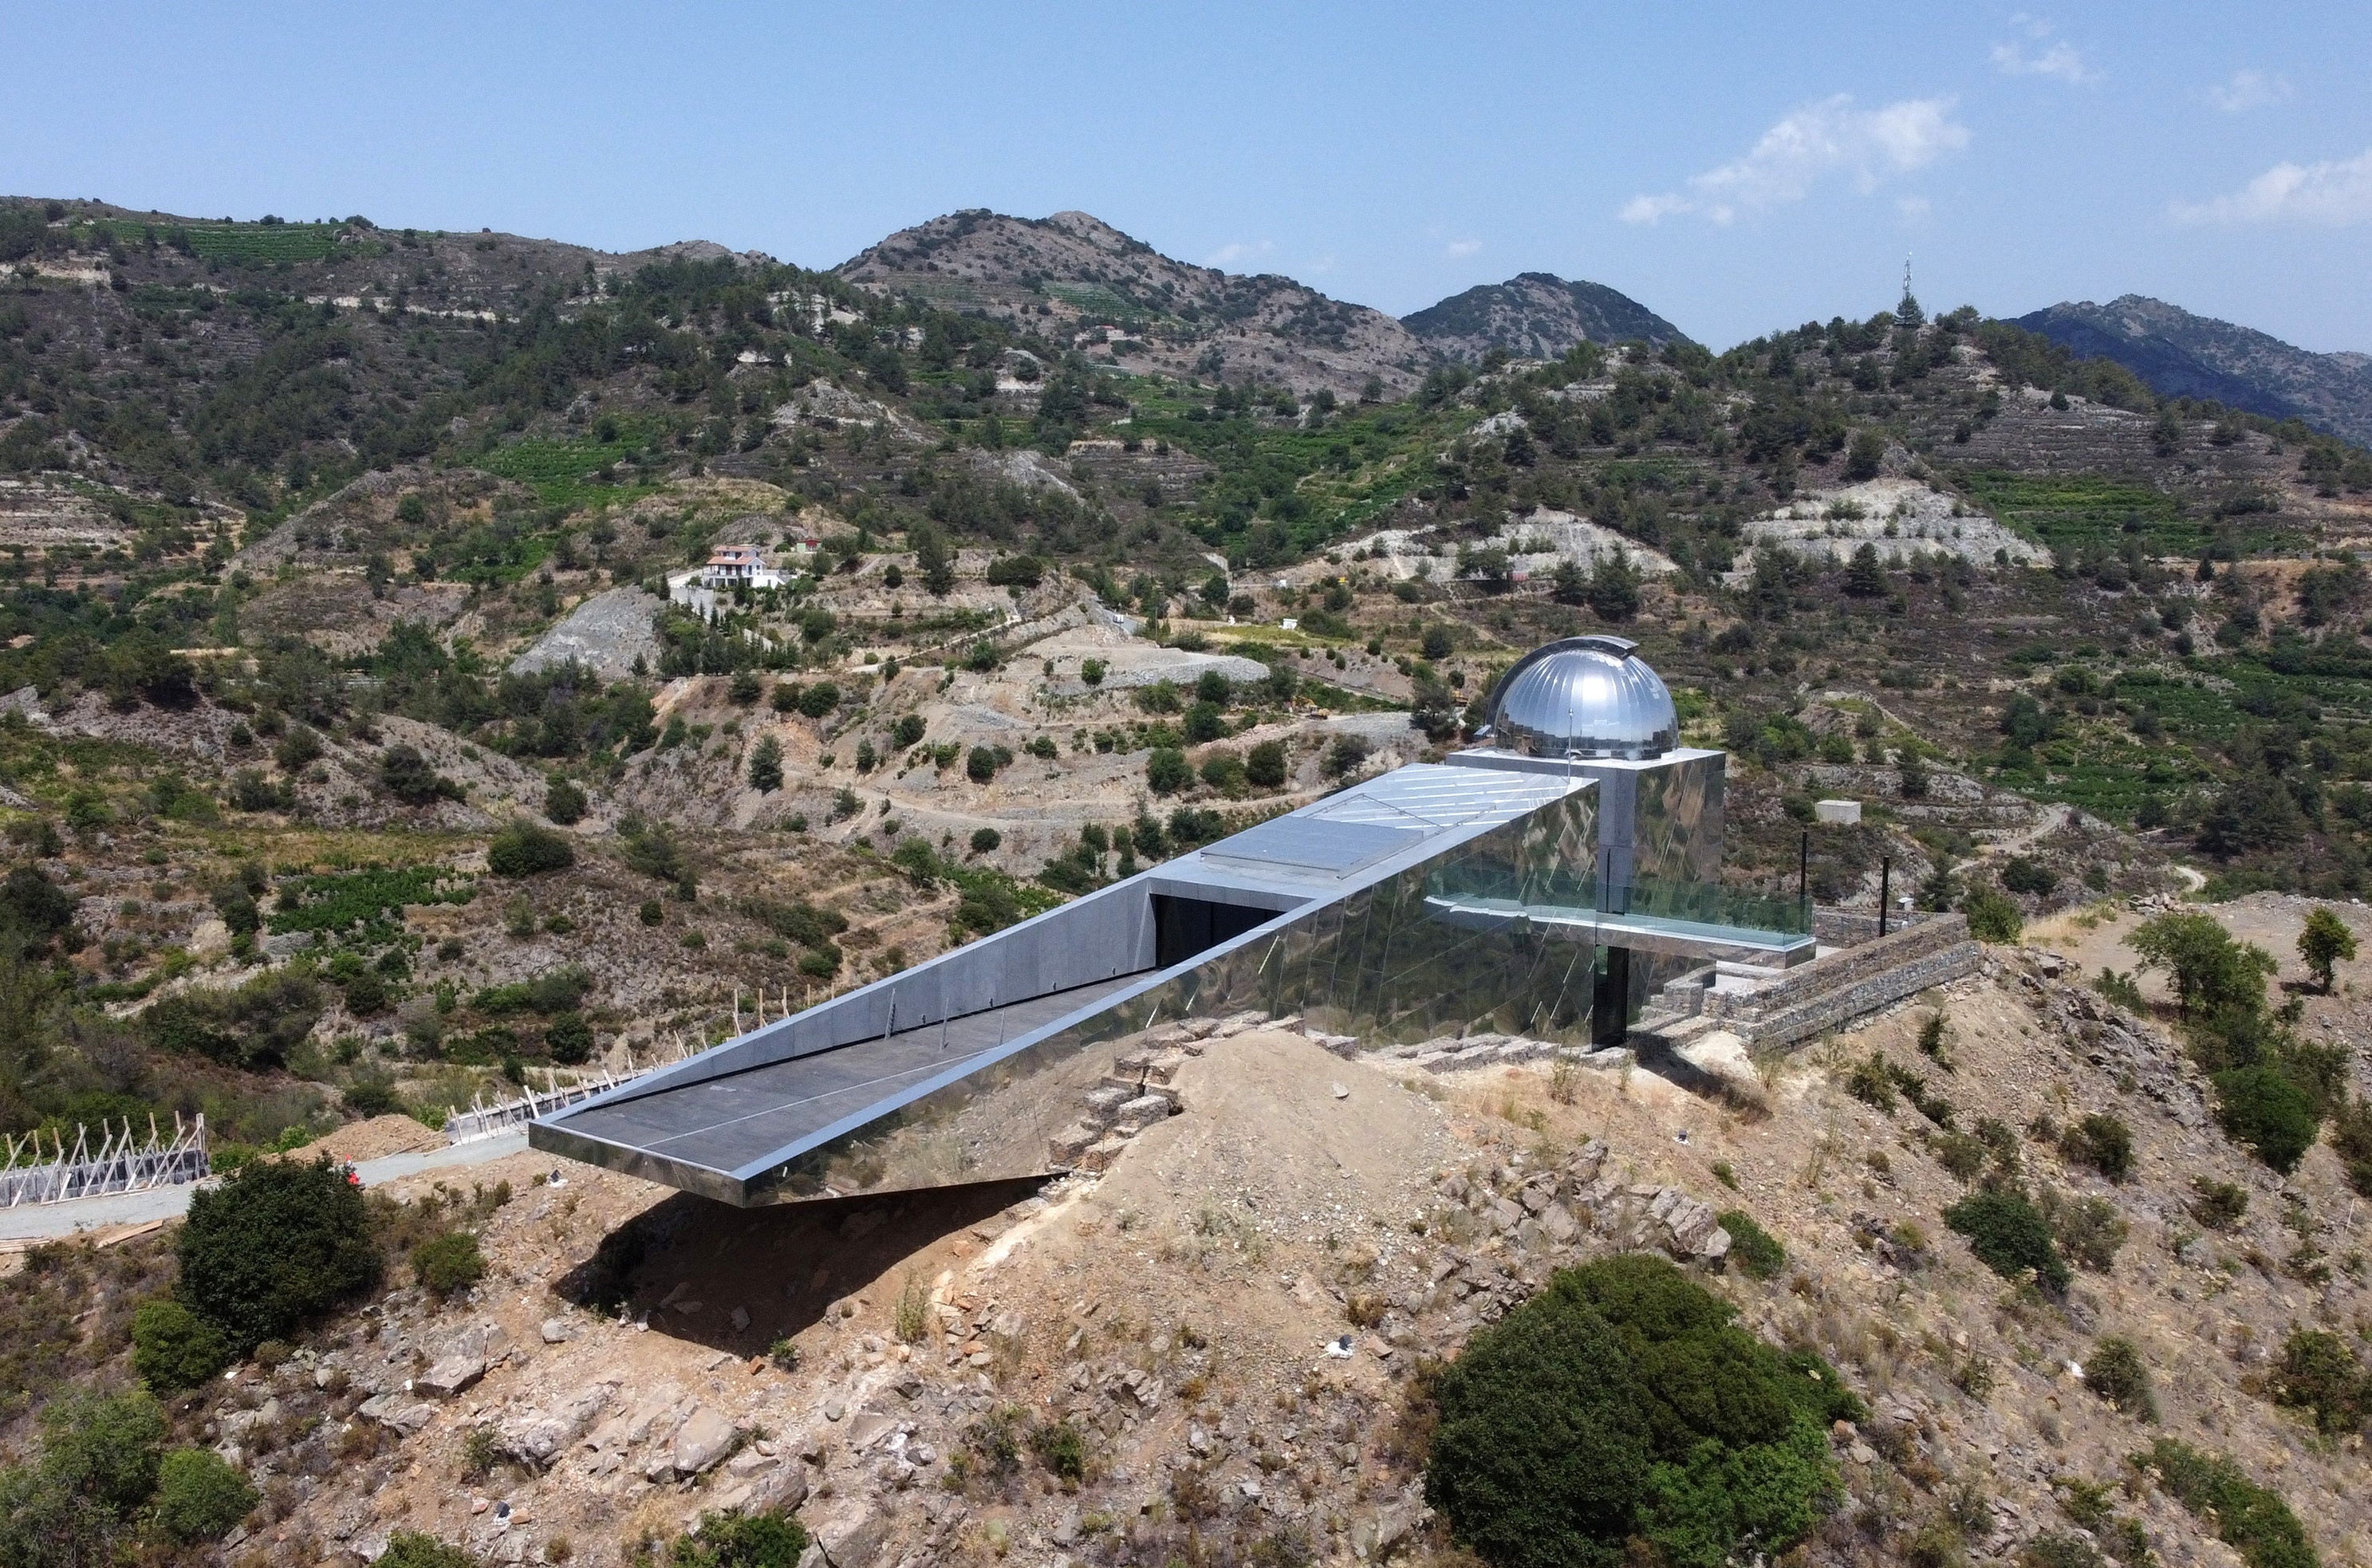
x,y
750,1119
1316,843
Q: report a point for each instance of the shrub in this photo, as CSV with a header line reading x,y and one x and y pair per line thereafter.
x,y
2212,974
2104,1142
2055,1548
1960,1154
1061,1450
979,764
97,1464
1622,1403
366,995
173,1348
819,700
277,1243
1345,755
448,1262
2219,1205
564,802
569,1038
2253,1521
983,840
766,766
1757,1253
2351,1140
2318,1373
524,849
2262,1108
2115,1372
2323,942
409,778
373,1096
410,1549
1869,1082
2089,1230
1265,765
200,1495
768,1540
2021,875
2009,1236
1167,770
1992,917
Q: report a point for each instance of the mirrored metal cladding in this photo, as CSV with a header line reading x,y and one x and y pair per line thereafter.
x,y
1500,891
1584,697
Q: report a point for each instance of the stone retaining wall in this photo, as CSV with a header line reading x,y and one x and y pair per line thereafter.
x,y
1783,1007
1824,994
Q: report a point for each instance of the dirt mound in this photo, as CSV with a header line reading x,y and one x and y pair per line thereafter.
x,y
374,1139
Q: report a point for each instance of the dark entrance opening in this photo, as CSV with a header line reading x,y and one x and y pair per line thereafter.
x,y
1184,928
1609,1022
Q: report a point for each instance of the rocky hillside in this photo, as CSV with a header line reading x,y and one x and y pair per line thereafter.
x,y
1536,315
2183,355
1078,279
1223,1345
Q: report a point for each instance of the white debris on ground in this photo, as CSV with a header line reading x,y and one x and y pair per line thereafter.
x,y
1903,518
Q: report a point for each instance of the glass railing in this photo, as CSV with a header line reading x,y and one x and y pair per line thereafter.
x,y
1576,893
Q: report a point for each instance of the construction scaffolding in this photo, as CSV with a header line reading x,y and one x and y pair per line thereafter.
x,y
123,1161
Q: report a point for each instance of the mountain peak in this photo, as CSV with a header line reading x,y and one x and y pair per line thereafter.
x,y
1076,279
2182,354
1535,316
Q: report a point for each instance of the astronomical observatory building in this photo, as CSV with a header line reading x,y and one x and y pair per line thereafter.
x,y
1541,884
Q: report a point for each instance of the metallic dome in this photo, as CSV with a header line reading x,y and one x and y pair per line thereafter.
x,y
1584,697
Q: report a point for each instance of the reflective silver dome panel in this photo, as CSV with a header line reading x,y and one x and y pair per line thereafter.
x,y
1584,697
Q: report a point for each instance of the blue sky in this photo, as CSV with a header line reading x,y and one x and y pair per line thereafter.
x,y
1734,167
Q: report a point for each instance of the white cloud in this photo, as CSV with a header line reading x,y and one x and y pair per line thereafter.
x,y
2249,90
1830,137
2334,192
1911,208
2060,61
1458,250
1239,250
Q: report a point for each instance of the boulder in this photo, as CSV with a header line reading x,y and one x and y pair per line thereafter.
x,y
537,1437
452,1375
703,1439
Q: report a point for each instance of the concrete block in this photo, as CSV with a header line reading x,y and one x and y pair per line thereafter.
x,y
1843,813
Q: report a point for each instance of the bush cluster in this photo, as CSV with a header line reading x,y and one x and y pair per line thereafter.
x,y
2251,1520
2009,1236
524,849
278,1242
102,1481
448,1263
2116,1373
1623,1405
1757,1253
